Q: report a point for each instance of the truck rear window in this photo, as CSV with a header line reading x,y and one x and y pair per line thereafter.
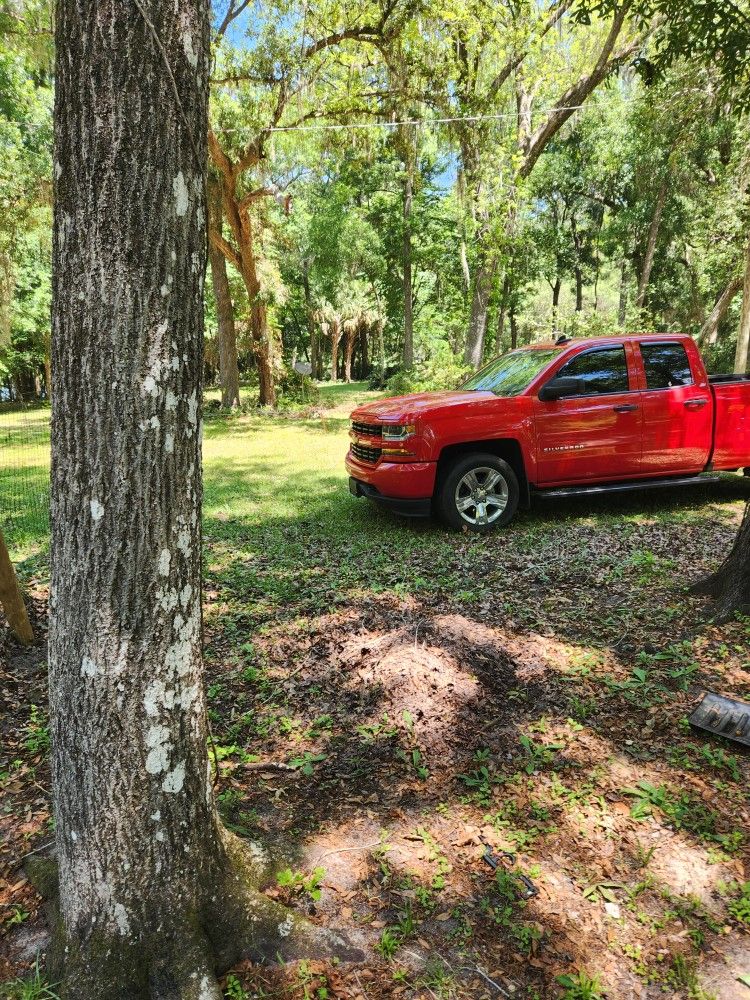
x,y
511,374
666,365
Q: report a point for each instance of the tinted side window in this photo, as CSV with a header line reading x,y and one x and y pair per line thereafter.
x,y
666,365
601,371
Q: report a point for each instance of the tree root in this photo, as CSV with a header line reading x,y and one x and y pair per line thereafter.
x,y
182,955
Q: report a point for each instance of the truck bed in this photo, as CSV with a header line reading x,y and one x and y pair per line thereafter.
x,y
724,379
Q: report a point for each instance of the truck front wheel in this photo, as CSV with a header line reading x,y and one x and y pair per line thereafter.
x,y
479,493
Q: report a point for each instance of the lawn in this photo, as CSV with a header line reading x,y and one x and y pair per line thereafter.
x,y
390,701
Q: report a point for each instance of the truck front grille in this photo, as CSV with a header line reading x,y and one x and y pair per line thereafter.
x,y
365,453
368,430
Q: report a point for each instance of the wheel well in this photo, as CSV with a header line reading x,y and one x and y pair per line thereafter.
x,y
506,448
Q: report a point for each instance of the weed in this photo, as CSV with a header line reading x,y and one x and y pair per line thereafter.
x,y
35,988
539,754
305,763
37,732
388,943
235,990
740,907
581,986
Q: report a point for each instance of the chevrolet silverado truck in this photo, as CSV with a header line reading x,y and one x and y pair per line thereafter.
x,y
571,417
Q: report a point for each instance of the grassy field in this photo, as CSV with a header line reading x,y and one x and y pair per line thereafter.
x,y
417,695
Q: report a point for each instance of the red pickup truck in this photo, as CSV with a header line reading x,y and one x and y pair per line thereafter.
x,y
574,416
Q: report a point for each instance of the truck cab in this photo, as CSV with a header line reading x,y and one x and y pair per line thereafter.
x,y
575,416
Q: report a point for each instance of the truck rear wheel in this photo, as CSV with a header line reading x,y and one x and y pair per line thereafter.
x,y
479,493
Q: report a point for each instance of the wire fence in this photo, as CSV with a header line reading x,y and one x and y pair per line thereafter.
x,y
24,472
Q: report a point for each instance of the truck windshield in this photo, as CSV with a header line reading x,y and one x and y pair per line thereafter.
x,y
511,373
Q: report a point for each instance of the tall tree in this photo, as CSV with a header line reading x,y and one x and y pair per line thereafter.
x,y
153,897
229,375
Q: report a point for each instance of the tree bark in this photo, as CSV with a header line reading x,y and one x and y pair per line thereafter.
x,y
350,334
513,329
316,367
743,336
480,303
653,235
229,373
730,584
11,599
335,327
710,330
153,897
622,306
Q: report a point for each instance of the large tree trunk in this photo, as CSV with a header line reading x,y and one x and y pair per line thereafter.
x,y
730,584
653,235
153,896
11,600
335,328
264,349
710,330
229,373
743,336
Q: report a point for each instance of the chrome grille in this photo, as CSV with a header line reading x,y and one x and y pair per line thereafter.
x,y
364,453
369,430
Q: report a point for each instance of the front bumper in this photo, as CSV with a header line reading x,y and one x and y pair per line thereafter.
x,y
403,487
398,505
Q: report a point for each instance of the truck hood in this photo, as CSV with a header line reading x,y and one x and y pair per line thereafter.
x,y
401,409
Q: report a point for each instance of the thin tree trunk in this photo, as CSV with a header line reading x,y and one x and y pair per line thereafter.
x,y
11,599
513,329
622,306
710,330
350,333
335,338
152,896
480,303
48,377
743,336
407,267
312,326
229,374
653,235
579,287
730,584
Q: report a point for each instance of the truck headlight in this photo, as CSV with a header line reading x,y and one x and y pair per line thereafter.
x,y
397,432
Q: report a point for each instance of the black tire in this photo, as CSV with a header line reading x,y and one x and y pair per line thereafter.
x,y
454,488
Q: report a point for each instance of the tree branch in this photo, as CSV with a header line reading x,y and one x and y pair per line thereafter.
x,y
226,248
580,90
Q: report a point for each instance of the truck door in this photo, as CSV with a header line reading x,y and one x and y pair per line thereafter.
x,y
596,435
677,411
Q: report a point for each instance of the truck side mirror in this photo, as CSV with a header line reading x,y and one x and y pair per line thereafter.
x,y
562,388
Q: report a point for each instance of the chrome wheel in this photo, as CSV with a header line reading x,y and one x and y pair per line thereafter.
x,y
481,495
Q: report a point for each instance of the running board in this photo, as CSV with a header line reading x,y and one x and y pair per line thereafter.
x,y
627,487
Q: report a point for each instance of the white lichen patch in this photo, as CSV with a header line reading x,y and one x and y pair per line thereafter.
x,y
156,816
193,408
159,747
167,599
170,400
181,194
155,422
88,667
58,171
120,915
97,510
184,542
175,779
190,53
149,385
157,695
286,927
169,442
185,594
165,558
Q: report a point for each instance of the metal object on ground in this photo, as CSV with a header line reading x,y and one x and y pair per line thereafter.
x,y
495,861
723,717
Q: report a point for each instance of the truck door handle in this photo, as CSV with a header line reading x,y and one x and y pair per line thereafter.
x,y
695,403
625,408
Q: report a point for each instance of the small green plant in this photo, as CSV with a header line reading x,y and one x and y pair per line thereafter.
x,y
389,943
235,990
306,762
539,754
581,986
740,907
37,732
301,884
34,988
